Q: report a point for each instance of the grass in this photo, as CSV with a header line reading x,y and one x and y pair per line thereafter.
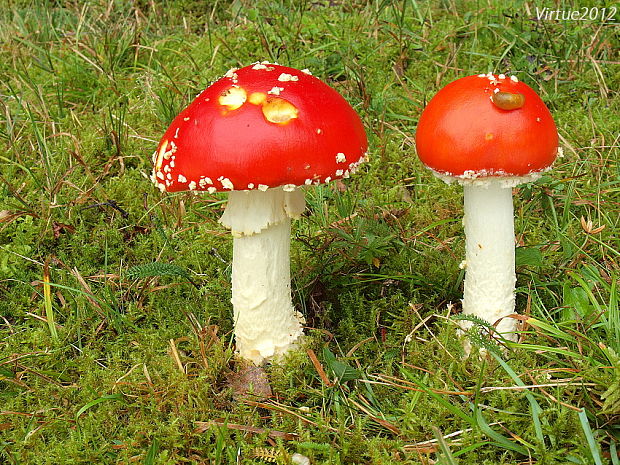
x,y
115,322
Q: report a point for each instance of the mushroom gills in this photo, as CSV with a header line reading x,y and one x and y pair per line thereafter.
x,y
250,212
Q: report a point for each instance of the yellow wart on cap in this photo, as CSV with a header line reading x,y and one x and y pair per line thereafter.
x,y
233,98
257,98
278,110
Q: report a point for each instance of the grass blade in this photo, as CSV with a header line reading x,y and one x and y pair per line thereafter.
x,y
151,454
47,301
447,458
585,426
457,412
500,440
614,453
341,370
92,403
534,406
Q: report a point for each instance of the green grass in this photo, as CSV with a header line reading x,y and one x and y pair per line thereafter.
x,y
88,325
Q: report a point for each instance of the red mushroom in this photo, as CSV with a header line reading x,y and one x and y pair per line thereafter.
x,y
259,133
489,133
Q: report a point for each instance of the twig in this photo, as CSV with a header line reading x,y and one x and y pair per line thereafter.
x,y
40,375
409,386
386,424
531,386
109,203
202,426
88,293
14,357
175,355
43,319
358,345
8,325
272,405
446,436
319,368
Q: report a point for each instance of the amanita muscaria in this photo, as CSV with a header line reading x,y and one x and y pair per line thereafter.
x,y
489,133
261,132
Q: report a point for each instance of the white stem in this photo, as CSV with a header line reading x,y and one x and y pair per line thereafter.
x,y
266,324
489,290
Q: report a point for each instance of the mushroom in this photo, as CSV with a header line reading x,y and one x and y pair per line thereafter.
x,y
261,132
489,133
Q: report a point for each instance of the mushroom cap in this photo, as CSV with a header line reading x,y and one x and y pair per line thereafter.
x,y
258,127
486,126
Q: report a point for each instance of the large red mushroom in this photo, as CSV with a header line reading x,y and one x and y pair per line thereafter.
x,y
489,133
261,133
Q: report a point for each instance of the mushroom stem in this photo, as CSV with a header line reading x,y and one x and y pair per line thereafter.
x,y
489,290
266,324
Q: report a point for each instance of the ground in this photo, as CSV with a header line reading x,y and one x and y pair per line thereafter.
x,y
116,326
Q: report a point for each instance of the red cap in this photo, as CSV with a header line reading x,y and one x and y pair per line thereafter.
x,y
486,125
258,127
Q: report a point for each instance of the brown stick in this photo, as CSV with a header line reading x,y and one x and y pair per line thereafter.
x,y
319,368
202,426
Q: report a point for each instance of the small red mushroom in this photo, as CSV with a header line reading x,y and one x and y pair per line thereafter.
x,y
489,133
261,132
